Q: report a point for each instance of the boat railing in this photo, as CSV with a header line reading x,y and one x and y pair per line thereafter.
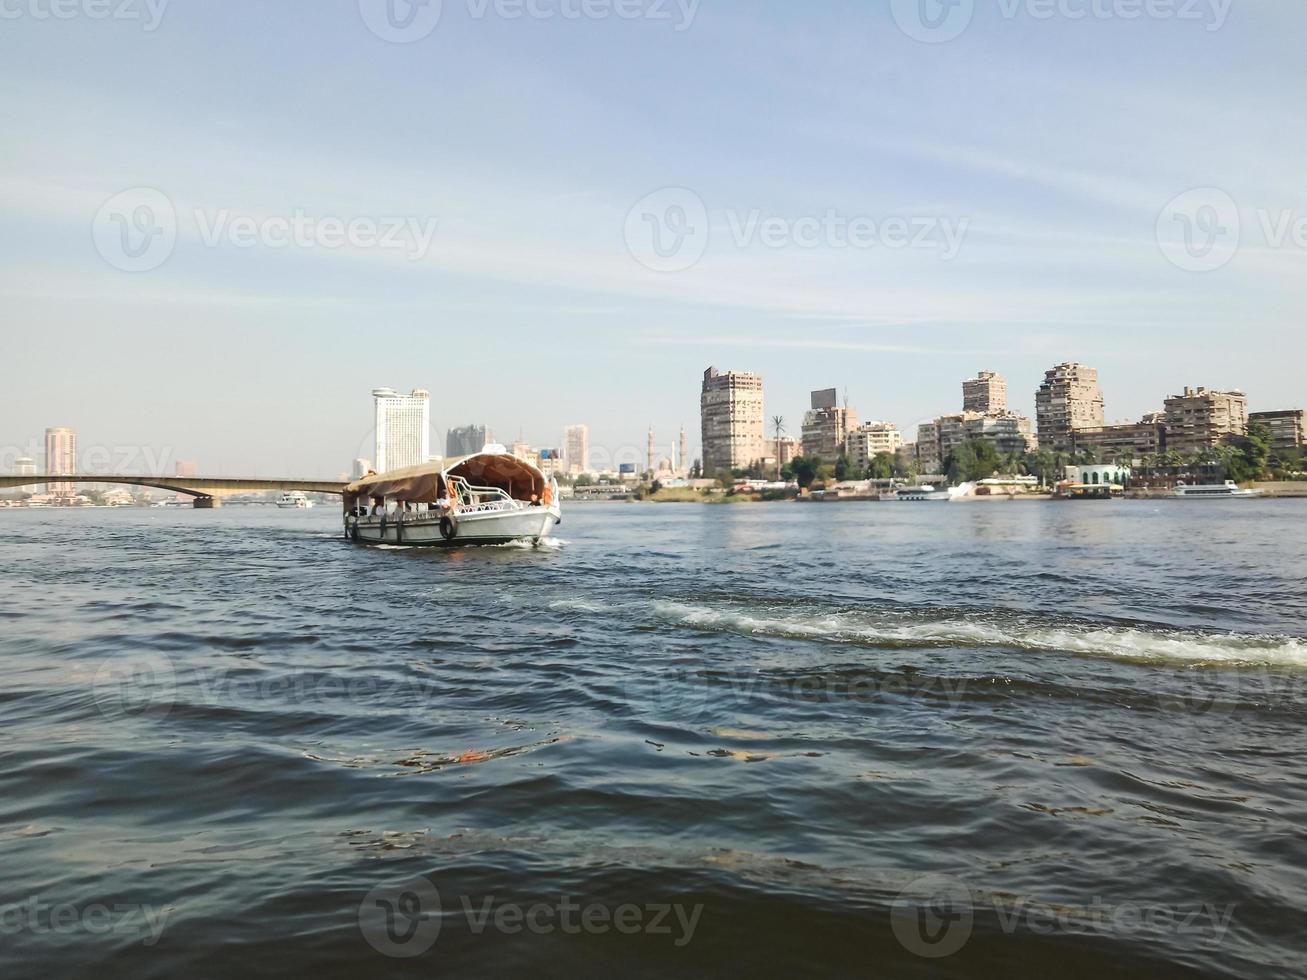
x,y
480,500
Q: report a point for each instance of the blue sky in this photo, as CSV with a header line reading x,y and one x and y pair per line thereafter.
x,y
1052,146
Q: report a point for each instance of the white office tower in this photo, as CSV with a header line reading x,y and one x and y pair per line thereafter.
x,y
403,428
576,449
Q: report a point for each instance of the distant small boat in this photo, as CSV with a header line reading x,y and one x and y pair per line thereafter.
x,y
490,497
294,499
915,494
1227,489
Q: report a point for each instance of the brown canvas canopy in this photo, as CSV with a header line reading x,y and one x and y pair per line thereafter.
x,y
426,483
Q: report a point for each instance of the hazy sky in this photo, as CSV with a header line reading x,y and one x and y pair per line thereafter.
x,y
958,188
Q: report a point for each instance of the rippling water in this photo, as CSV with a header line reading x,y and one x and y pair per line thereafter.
x,y
975,740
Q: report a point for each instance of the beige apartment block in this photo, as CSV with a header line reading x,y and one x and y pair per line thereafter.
x,y
731,417
1131,441
1199,419
869,440
1288,428
1069,399
986,393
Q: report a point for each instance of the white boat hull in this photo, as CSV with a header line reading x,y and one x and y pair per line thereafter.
x,y
529,524
1215,491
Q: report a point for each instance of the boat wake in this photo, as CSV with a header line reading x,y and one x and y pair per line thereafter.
x,y
924,629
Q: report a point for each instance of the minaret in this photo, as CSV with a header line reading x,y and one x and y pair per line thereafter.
x,y
680,462
651,450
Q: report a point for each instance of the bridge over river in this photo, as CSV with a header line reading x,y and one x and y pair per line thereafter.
x,y
208,491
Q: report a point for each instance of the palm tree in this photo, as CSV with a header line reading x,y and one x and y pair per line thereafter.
x,y
778,426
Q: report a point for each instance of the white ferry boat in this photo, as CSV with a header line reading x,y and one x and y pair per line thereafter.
x,y
294,499
915,494
1227,489
491,497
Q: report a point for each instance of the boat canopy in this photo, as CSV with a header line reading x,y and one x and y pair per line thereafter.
x,y
426,483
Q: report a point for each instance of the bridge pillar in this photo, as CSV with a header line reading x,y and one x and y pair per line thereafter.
x,y
206,503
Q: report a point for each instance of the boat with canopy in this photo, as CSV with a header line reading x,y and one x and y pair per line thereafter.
x,y
490,497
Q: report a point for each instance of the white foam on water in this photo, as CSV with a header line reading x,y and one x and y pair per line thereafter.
x,y
1130,643
545,544
1013,633
586,606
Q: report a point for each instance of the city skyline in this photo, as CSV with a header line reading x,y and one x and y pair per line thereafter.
x,y
143,457
1060,260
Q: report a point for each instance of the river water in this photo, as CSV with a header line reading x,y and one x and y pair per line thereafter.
x,y
952,740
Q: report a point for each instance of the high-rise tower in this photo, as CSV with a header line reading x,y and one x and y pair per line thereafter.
x,y
576,449
986,393
60,458
730,410
1069,399
403,428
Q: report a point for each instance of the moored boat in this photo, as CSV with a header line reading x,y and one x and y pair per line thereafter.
x,y
916,494
1227,489
490,497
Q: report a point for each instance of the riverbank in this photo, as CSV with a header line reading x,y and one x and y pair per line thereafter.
x,y
686,496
